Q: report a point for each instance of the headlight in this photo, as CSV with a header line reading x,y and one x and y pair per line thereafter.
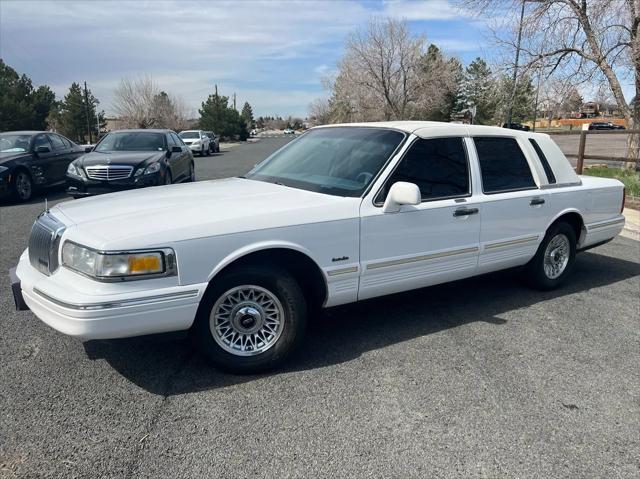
x,y
118,266
152,168
74,170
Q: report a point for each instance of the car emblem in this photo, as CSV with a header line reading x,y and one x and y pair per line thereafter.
x,y
108,161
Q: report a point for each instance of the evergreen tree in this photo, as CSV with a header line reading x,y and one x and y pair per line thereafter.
x,y
523,102
71,119
216,115
22,107
478,90
247,114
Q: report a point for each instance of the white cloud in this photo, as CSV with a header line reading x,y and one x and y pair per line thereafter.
x,y
270,53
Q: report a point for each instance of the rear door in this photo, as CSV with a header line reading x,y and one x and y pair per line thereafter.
x,y
63,155
514,210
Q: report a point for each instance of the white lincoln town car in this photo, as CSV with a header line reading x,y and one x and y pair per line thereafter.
x,y
341,214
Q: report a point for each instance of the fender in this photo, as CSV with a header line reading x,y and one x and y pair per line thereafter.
x,y
564,212
260,246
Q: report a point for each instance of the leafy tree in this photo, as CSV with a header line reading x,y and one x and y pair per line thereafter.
x,y
22,107
216,115
247,114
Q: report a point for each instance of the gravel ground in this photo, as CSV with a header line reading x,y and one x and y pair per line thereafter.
x,y
478,378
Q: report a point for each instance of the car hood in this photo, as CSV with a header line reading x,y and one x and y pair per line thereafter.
x,y
130,158
164,215
8,156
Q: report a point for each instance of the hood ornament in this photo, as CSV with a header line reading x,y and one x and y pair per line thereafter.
x,y
46,206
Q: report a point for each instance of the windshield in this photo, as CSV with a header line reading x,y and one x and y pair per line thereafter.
x,y
189,135
14,143
340,161
132,141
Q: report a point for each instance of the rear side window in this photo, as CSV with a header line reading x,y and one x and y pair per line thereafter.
x,y
57,142
503,165
543,159
438,166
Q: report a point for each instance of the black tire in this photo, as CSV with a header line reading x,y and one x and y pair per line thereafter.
x,y
22,186
535,273
294,319
192,173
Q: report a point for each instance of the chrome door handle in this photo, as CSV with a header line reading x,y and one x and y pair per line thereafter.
x,y
465,211
536,202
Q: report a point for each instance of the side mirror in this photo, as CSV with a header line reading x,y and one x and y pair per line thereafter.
x,y
176,149
401,193
43,149
88,149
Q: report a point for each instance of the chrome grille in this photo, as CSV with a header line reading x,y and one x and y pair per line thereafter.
x,y
44,243
109,172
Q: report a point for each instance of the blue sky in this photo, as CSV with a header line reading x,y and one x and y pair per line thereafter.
x,y
270,53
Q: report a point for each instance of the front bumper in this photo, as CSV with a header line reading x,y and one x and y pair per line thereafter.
x,y
86,187
81,307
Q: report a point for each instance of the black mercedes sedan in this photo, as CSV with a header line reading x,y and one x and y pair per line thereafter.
x,y
33,160
126,159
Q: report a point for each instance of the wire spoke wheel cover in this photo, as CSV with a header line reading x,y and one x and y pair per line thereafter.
x,y
23,186
556,256
246,320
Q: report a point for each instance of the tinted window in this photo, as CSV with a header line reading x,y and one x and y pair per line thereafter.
x,y
503,165
439,167
543,159
132,141
170,141
177,140
66,141
41,140
57,142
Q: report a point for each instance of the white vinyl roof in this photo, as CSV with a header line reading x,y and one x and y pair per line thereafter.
x,y
425,127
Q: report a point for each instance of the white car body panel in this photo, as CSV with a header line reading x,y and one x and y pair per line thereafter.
x,y
360,251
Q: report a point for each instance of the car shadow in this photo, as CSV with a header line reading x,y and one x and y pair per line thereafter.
x,y
52,194
341,334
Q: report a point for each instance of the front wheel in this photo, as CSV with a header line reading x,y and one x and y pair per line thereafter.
x,y
554,259
250,319
22,186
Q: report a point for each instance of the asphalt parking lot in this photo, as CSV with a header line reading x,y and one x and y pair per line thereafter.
x,y
478,378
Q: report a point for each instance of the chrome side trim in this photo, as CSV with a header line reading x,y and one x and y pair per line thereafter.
x,y
425,257
560,185
160,298
336,272
502,244
606,224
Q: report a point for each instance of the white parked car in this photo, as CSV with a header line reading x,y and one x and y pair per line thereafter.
x,y
289,131
197,141
342,214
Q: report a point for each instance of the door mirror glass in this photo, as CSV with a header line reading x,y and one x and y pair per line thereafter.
x,y
401,193
176,149
88,149
43,149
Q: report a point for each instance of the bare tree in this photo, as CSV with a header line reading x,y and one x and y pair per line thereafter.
x,y
141,104
319,112
382,75
587,41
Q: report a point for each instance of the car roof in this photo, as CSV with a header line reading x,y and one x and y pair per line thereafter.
x,y
24,132
142,130
426,126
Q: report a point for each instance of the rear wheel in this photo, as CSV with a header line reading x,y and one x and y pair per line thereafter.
x,y
554,259
22,186
250,319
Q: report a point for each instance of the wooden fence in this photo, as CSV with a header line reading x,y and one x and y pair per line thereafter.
x,y
581,155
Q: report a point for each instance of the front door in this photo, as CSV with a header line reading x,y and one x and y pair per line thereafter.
x,y
433,242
